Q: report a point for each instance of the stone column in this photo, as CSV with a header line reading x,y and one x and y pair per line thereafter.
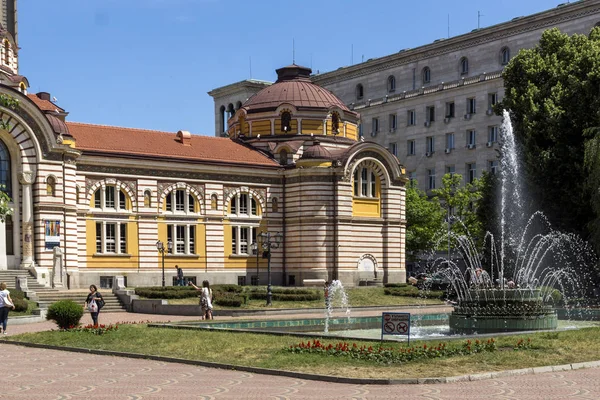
x,y
26,179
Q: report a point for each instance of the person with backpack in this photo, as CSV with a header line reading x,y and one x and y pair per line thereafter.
x,y
94,303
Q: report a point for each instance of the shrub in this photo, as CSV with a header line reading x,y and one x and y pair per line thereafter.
x,y
412,291
227,288
66,313
21,305
286,297
229,299
169,292
395,285
16,294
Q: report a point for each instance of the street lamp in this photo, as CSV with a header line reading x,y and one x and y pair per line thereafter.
x,y
269,241
161,248
254,247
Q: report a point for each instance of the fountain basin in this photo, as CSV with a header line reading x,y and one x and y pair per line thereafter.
x,y
502,310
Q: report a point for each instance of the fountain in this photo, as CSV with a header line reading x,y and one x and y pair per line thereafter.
x,y
335,293
511,291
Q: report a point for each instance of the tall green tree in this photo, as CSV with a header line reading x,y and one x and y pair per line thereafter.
x,y
592,164
425,218
553,93
463,202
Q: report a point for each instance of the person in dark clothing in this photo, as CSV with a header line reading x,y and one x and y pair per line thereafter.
x,y
94,302
180,280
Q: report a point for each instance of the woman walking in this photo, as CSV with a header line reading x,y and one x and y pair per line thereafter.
x,y
94,302
6,304
205,299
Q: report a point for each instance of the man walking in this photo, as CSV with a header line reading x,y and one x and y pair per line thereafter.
x,y
180,280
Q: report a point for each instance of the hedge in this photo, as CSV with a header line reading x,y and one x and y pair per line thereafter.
x,y
396,285
285,297
169,292
227,288
412,291
229,299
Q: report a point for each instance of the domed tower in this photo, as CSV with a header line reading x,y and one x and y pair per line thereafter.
x,y
282,117
340,202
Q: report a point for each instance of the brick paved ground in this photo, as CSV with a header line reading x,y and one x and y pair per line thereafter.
x,y
29,373
38,373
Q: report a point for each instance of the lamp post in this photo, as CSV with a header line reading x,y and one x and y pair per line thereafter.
x,y
161,248
269,241
254,247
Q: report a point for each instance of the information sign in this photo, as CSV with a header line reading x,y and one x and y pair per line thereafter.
x,y
395,324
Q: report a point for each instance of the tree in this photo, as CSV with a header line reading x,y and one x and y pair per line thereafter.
x,y
592,164
5,199
552,91
425,218
463,201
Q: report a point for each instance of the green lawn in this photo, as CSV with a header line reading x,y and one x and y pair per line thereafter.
x,y
358,297
267,351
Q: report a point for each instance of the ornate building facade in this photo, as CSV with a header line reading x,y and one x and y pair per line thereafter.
x,y
91,202
431,106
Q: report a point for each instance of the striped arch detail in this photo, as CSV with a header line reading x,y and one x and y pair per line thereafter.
x,y
112,182
182,185
377,167
253,195
21,135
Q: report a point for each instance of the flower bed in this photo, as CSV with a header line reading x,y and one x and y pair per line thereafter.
x,y
396,355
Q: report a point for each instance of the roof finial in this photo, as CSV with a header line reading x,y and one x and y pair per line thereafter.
x,y
293,51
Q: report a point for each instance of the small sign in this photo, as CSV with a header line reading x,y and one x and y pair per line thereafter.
x,y
395,324
52,234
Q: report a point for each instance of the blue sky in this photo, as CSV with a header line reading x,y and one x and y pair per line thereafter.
x,y
150,63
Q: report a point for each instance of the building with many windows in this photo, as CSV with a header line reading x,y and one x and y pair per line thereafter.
x,y
431,106
91,202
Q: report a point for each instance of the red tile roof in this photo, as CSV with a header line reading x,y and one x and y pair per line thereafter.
x,y
44,105
141,142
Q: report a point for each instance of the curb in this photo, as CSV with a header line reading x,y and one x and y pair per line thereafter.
x,y
322,378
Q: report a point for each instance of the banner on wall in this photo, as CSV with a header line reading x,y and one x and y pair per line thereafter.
x,y
52,234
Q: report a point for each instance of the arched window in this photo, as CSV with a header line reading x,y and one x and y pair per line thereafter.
x,y
286,122
464,65
147,198
111,197
5,172
360,92
223,119
214,202
335,123
180,201
391,83
283,157
504,55
230,111
274,204
238,105
51,186
6,52
243,205
365,183
426,75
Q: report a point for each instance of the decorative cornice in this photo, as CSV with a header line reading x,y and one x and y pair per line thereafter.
x,y
545,19
183,175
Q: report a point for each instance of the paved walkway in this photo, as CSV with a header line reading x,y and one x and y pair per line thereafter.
x,y
29,373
